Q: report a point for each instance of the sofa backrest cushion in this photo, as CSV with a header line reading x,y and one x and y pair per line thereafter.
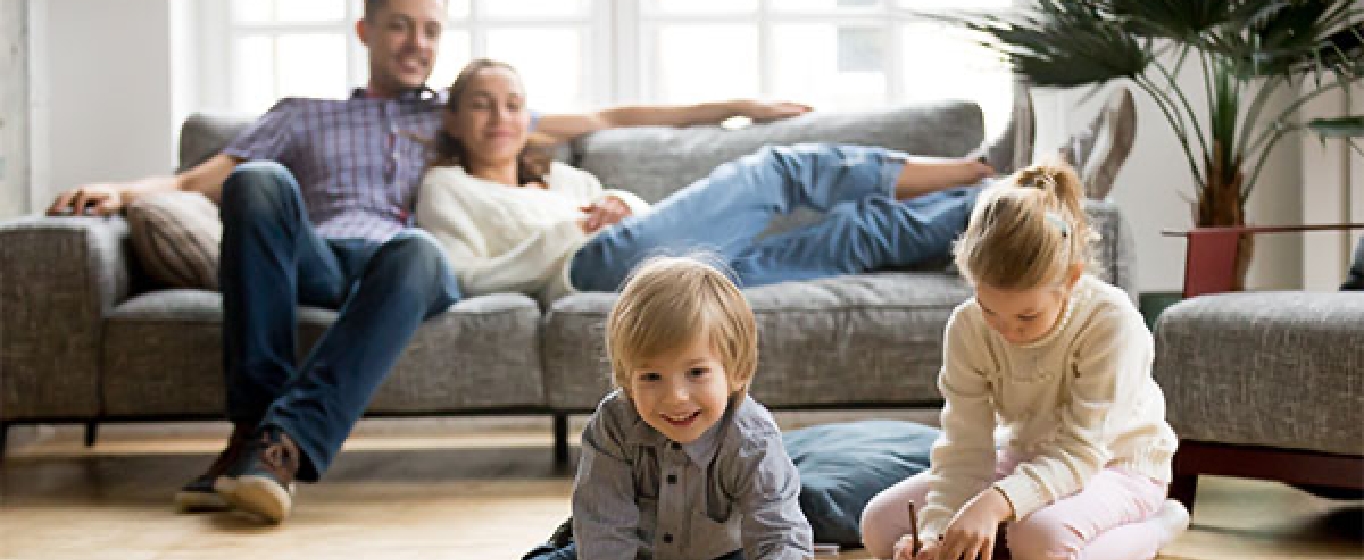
x,y
653,162
205,134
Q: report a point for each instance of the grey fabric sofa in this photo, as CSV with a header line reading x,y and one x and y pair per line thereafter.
x,y
84,339
1265,385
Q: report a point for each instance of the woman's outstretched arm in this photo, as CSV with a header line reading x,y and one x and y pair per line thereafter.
x,y
568,126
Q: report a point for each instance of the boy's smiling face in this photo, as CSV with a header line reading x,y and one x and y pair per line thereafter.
x,y
683,394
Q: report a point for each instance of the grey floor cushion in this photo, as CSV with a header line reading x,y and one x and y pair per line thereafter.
x,y
843,465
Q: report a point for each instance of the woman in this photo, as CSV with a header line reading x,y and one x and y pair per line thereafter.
x,y
512,220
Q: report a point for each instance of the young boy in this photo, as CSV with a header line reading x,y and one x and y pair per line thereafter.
x,y
678,462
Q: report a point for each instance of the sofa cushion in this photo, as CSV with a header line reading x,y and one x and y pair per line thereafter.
x,y
1274,369
842,466
653,162
163,355
176,237
884,330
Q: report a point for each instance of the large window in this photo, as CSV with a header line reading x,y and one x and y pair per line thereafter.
x,y
576,54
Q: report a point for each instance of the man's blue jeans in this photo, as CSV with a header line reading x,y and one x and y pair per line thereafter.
x,y
272,261
863,227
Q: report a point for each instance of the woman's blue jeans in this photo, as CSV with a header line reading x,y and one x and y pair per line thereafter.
x,y
863,227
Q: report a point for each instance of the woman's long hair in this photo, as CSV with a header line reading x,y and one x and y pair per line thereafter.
x,y
445,150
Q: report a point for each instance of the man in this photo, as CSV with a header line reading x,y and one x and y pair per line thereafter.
x,y
316,199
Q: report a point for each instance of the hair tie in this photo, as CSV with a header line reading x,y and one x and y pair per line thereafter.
x,y
1059,222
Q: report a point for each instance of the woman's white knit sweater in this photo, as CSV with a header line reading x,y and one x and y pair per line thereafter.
x,y
501,238
1070,404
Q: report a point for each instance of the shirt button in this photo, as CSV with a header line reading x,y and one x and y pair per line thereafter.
x,y
677,446
672,479
668,538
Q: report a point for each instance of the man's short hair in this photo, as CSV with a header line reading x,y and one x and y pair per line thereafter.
x,y
373,6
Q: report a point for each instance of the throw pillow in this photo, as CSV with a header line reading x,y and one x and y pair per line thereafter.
x,y
842,466
176,236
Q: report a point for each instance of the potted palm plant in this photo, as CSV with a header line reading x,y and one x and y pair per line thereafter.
x,y
1245,49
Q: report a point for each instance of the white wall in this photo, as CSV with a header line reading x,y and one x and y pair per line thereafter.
x,y
1333,192
102,92
13,108
1155,185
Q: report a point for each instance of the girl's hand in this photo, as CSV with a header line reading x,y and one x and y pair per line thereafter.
x,y
971,534
904,550
928,552
602,213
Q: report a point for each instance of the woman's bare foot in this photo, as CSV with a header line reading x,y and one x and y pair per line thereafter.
x,y
922,175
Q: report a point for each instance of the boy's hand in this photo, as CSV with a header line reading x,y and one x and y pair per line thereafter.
x,y
971,534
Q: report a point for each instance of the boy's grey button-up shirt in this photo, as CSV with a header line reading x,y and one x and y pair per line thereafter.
x,y
640,496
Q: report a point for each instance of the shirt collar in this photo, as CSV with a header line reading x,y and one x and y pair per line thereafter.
x,y
412,94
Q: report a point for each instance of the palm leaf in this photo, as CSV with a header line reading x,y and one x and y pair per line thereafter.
x,y
1059,44
1181,20
1339,127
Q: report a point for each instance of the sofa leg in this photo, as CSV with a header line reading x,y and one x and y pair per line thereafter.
x,y
560,439
4,438
1184,488
91,433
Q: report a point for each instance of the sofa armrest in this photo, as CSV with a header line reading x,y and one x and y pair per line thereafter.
x,y
59,276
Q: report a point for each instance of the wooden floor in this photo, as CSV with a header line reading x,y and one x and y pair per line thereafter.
x,y
463,488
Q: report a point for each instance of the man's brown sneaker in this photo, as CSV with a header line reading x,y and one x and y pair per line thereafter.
x,y
262,480
198,495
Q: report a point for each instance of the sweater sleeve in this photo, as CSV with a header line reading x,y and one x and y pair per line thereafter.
x,y
962,462
1113,356
636,204
588,189
525,268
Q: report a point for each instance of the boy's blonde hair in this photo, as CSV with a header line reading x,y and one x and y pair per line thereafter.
x,y
1028,231
669,301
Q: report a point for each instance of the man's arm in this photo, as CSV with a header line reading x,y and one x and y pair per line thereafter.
x,y
563,127
110,198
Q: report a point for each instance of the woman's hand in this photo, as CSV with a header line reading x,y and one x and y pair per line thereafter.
x,y
602,213
971,534
764,111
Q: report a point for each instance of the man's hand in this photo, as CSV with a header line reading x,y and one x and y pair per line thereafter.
x,y
96,198
602,213
971,534
764,111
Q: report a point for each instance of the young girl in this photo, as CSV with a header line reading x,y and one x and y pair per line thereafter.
x,y
679,462
1056,364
